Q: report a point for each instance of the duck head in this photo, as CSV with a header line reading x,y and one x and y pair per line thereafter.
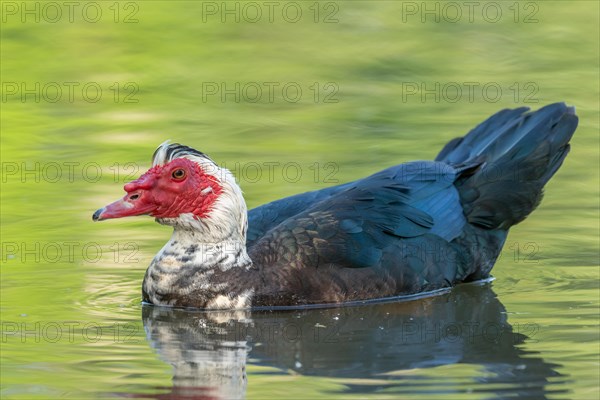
x,y
184,188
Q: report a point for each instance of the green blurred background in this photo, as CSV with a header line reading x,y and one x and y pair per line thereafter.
x,y
356,86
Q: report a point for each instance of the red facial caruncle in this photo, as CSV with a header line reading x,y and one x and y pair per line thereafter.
x,y
167,191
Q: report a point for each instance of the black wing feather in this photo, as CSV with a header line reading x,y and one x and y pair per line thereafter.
x,y
356,225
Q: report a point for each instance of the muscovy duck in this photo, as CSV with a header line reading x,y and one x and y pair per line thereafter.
x,y
412,228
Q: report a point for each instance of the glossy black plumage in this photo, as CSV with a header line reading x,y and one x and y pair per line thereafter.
x,y
414,227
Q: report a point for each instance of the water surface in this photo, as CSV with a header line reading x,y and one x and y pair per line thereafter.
x,y
381,83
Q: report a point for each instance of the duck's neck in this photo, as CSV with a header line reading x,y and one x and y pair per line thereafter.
x,y
189,249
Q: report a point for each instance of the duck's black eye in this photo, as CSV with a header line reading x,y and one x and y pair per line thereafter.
x,y
178,174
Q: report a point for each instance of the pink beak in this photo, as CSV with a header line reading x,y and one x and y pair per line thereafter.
x,y
137,201
119,209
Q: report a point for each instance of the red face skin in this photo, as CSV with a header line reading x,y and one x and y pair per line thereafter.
x,y
166,191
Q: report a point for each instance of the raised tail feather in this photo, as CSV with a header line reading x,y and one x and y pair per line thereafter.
x,y
507,160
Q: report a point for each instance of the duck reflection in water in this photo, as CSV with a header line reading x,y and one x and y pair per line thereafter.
x,y
209,351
